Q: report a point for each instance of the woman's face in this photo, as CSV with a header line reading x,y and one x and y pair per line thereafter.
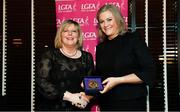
x,y
108,24
70,36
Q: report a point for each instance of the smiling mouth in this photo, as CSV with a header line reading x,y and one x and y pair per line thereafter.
x,y
69,38
107,28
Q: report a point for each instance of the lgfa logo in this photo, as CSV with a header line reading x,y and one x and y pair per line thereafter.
x,y
89,35
66,7
90,6
115,3
59,21
82,21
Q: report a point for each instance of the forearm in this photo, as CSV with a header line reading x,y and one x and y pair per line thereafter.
x,y
129,79
111,82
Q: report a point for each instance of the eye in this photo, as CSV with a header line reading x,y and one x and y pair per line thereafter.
x,y
109,19
65,30
101,21
75,31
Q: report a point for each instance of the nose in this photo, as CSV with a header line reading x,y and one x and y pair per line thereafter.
x,y
105,23
69,32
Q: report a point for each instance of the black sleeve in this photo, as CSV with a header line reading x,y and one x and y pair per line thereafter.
x,y
147,69
45,85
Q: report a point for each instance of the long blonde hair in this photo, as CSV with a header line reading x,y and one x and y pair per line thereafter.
x,y
58,40
118,18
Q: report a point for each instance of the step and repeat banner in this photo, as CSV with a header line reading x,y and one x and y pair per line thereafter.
x,y
84,12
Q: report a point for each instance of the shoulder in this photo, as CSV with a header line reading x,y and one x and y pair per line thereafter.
x,y
49,52
129,34
137,40
134,36
101,45
86,53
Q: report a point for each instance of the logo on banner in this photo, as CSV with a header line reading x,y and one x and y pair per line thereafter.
x,y
95,22
120,6
67,7
89,35
59,21
81,21
90,7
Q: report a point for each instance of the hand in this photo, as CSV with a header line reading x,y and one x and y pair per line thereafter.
x,y
87,97
109,83
82,102
76,99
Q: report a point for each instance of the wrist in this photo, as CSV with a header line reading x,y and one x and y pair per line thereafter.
x,y
87,97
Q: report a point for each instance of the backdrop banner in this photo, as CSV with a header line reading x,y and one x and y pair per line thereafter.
x,y
84,12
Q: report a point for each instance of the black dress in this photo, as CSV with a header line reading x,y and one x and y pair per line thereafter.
x,y
56,74
121,56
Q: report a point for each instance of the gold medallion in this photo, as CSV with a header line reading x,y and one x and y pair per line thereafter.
x,y
92,84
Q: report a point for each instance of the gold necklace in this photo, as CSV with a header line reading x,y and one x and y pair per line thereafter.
x,y
74,54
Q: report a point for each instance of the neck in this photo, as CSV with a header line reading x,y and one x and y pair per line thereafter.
x,y
113,36
69,52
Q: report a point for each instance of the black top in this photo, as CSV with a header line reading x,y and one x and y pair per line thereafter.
x,y
121,56
56,74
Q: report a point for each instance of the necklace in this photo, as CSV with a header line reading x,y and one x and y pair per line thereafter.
x,y
72,55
